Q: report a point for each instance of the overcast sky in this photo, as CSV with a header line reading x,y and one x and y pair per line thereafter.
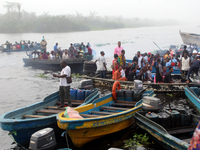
x,y
188,10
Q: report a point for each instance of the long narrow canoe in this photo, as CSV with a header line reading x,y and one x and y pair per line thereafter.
x,y
25,121
22,50
102,117
193,94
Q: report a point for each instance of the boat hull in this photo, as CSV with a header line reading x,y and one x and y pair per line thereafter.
x,y
85,130
22,50
22,128
190,38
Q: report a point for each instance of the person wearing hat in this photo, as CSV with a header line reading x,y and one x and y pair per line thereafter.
x,y
102,65
43,44
194,54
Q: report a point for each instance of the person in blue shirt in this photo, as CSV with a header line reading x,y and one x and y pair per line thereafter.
x,y
168,62
55,49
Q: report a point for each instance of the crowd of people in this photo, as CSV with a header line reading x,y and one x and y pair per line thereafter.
x,y
187,60
21,45
73,52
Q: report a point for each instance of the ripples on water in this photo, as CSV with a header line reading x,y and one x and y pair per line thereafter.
x,y
20,87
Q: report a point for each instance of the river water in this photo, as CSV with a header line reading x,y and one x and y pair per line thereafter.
x,y
20,85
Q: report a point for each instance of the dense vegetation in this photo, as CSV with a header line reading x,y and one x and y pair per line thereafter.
x,y
16,20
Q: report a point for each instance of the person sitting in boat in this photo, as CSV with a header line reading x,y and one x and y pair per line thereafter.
x,y
65,55
59,53
35,44
168,62
137,70
52,55
168,76
117,75
122,59
132,74
30,55
194,67
44,55
32,44
23,46
115,64
8,45
145,58
185,65
167,55
128,69
89,50
55,48
82,47
140,76
148,75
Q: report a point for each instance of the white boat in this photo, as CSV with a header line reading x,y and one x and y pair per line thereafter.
x,y
190,38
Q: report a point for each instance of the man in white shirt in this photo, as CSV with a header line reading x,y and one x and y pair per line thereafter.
x,y
102,65
64,89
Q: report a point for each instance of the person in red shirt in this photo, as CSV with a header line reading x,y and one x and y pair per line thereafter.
x,y
89,50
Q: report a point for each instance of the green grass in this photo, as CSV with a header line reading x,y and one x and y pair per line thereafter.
x,y
41,76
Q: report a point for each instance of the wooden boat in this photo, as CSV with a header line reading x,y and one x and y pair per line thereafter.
x,y
167,138
25,121
157,87
76,64
190,38
193,94
102,117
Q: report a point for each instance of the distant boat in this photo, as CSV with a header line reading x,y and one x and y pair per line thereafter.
x,y
190,38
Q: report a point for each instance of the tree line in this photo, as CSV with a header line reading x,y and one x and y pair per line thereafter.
x,y
16,20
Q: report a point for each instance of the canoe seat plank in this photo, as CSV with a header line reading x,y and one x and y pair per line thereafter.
x,y
123,104
128,102
113,108
89,116
48,111
55,107
102,113
33,116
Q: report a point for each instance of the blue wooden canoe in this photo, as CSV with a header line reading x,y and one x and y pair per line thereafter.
x,y
176,71
193,94
102,117
27,120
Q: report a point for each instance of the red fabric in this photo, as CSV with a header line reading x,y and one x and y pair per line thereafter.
x,y
18,47
172,64
89,50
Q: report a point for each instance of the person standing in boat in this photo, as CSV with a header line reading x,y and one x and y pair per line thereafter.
x,y
159,72
138,60
118,49
43,44
168,76
122,59
89,50
71,51
64,88
115,64
55,48
102,65
194,67
82,47
185,65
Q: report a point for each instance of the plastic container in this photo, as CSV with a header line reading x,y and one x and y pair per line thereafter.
x,y
87,93
175,118
129,94
152,116
120,94
185,117
73,93
164,119
80,94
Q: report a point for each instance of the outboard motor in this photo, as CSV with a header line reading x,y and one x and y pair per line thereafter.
x,y
138,86
43,140
151,104
86,84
